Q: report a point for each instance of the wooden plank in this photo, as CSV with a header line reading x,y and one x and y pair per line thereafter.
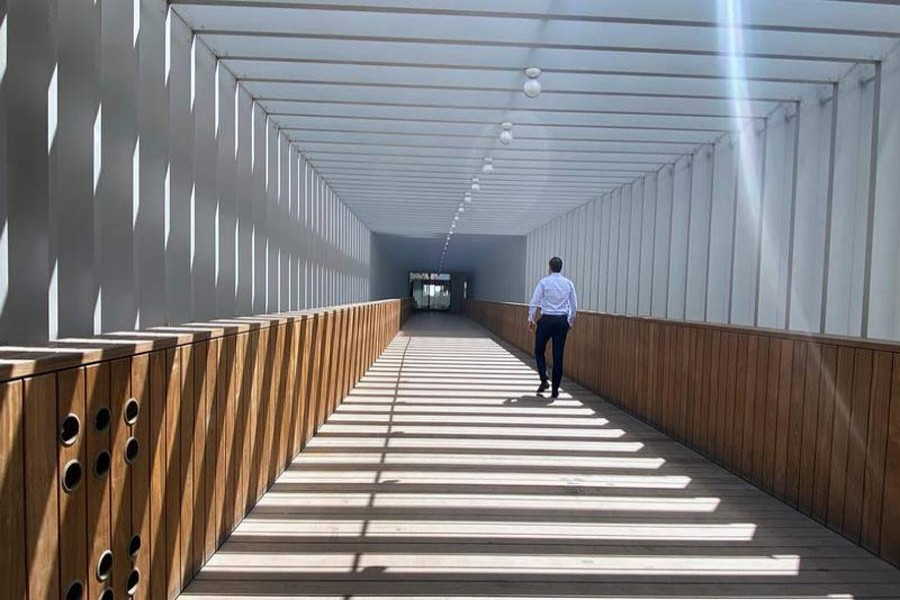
x,y
810,426
221,376
340,388
156,521
322,401
749,408
71,465
771,414
692,398
13,584
249,466
890,517
304,360
840,438
335,365
267,415
188,449
286,398
139,544
278,404
876,448
795,426
740,404
827,388
668,388
41,487
292,445
726,391
242,429
707,372
759,412
98,442
174,472
313,383
121,474
856,451
230,384
200,356
209,461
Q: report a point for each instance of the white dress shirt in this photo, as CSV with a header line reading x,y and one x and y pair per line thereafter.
x,y
556,296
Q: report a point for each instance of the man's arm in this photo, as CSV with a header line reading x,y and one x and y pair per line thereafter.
x,y
573,306
535,301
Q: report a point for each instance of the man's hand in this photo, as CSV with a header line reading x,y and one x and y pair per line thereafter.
x,y
531,326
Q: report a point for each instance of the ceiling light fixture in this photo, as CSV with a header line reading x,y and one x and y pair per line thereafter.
x,y
532,87
476,184
506,136
468,197
488,166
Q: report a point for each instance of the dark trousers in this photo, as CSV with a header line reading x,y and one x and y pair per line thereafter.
x,y
555,327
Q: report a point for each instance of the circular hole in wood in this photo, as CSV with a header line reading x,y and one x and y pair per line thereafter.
x,y
107,594
102,419
69,430
134,546
132,410
102,464
132,448
72,474
131,585
104,565
75,591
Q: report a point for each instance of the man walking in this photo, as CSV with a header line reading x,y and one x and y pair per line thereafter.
x,y
555,296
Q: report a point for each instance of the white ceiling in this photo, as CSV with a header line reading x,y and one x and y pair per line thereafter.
x,y
396,102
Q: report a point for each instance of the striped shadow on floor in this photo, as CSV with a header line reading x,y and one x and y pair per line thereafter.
x,y
442,475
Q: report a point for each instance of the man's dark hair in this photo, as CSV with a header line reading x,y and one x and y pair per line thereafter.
x,y
556,264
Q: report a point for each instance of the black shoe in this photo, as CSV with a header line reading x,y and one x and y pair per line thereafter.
x,y
554,394
542,388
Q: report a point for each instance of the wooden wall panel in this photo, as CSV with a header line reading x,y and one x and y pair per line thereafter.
x,y
98,441
186,440
890,518
814,420
825,427
121,474
70,421
13,562
876,448
174,473
41,487
151,456
139,544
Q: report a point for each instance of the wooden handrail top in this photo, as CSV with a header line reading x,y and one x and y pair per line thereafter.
x,y
801,336
25,361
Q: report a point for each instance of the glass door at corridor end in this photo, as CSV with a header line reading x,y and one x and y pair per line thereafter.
x,y
430,291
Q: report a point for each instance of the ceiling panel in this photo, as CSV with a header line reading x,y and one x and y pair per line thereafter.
x,y
397,102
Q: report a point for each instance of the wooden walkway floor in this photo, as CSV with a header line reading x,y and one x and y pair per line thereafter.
x,y
444,476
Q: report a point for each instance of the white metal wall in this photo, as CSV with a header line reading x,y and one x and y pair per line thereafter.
x,y
788,223
143,186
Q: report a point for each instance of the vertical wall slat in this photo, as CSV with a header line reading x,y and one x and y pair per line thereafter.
x,y
13,562
73,535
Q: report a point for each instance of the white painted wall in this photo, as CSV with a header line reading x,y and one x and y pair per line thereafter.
x,y
146,187
788,222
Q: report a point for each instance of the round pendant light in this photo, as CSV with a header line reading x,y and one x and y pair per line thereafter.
x,y
488,166
532,86
506,136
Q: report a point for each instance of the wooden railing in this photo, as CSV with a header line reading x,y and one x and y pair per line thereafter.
x,y
126,460
813,420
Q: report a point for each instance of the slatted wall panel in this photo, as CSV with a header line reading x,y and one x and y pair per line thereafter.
x,y
124,465
813,420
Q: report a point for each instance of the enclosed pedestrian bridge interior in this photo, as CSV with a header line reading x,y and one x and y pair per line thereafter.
x,y
264,274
